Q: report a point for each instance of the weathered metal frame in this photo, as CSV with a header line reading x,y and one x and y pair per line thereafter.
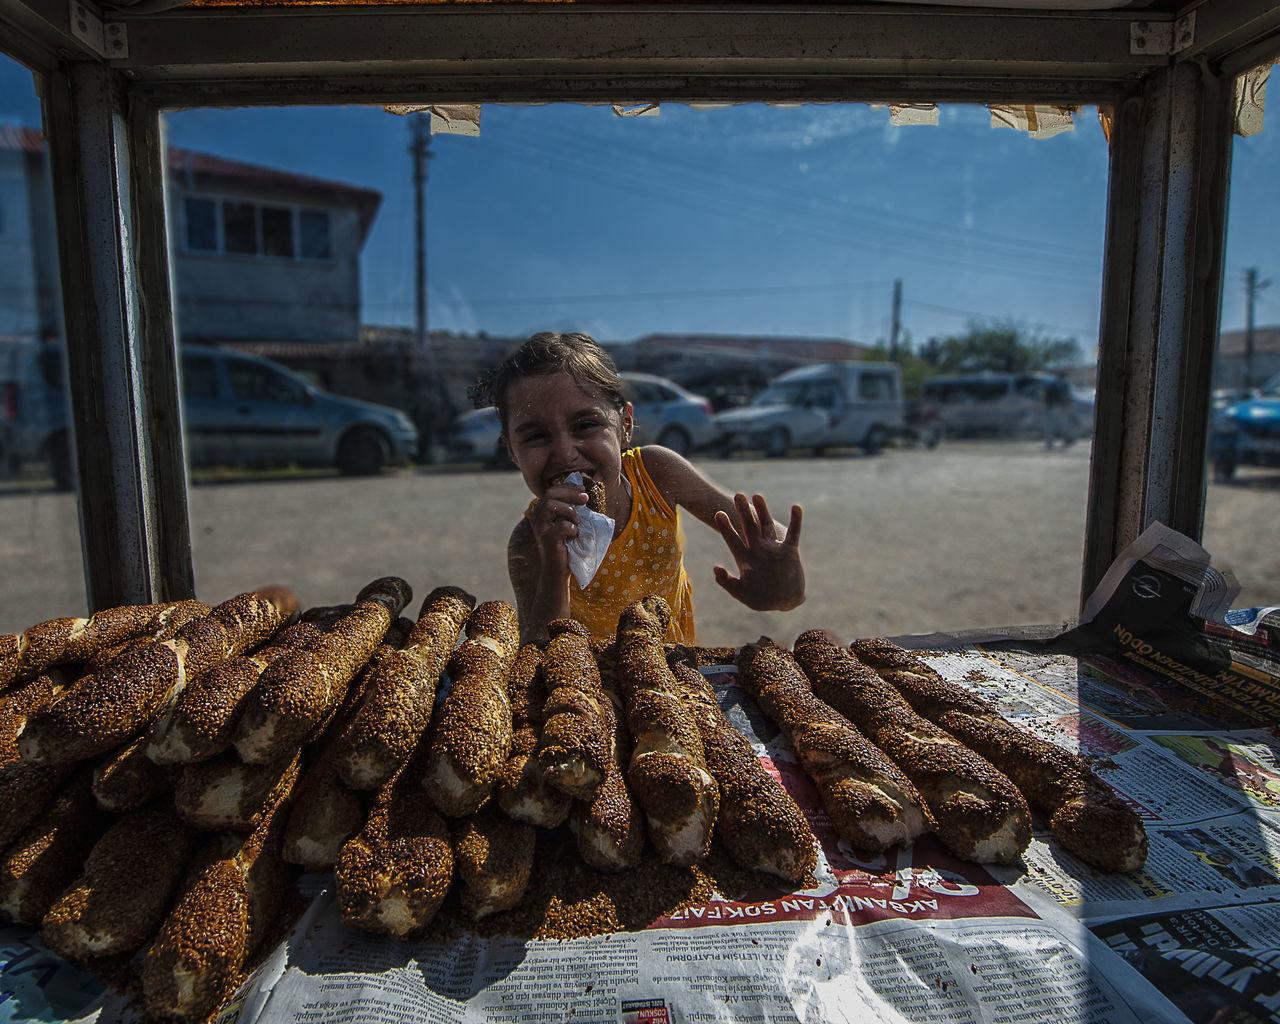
x,y
1166,201
105,164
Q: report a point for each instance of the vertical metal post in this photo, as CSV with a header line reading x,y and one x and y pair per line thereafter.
x,y
108,186
1170,171
897,319
420,148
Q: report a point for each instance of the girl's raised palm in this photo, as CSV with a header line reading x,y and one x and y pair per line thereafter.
x,y
770,576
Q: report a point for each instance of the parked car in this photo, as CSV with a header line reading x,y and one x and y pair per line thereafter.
x,y
1000,405
665,413
245,410
238,409
476,436
1247,433
823,406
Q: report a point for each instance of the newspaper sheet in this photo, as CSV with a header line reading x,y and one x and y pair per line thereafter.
x,y
916,936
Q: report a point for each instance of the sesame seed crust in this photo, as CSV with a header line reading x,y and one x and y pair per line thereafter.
x,y
393,876
325,813
221,915
1089,818
493,857
120,898
297,692
872,805
106,709
201,723
667,770
401,692
759,823
610,829
49,853
102,711
25,788
226,793
979,813
523,790
66,640
471,737
128,779
574,745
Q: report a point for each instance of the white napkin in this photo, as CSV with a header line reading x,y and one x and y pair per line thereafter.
x,y
587,550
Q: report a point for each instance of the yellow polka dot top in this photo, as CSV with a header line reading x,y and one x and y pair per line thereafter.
x,y
647,557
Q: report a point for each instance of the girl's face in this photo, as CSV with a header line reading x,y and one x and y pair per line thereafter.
x,y
555,426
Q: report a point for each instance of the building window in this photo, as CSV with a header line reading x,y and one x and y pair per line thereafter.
x,y
247,228
202,224
314,227
239,227
277,231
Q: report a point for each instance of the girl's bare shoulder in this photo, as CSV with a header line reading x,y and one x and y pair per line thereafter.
x,y
681,483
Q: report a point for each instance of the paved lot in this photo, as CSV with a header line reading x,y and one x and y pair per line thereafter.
x,y
969,535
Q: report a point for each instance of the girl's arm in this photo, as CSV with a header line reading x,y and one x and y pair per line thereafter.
x,y
541,595
538,561
770,574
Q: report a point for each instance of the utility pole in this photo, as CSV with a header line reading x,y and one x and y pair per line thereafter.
x,y
420,149
1251,288
426,407
897,319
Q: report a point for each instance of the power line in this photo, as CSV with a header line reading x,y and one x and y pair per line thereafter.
x,y
935,308
925,229
880,238
673,294
874,218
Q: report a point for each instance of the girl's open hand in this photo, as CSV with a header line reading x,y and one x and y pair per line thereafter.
x,y
770,576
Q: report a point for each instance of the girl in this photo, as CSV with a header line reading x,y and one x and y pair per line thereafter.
x,y
560,400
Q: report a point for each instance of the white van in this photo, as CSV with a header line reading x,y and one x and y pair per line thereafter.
x,y
828,405
999,405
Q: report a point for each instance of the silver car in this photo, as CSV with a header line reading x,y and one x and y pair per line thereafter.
x,y
665,414
239,409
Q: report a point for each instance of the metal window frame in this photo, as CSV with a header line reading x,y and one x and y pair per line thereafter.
x,y
104,88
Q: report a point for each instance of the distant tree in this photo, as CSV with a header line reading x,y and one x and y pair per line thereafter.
x,y
1001,347
912,366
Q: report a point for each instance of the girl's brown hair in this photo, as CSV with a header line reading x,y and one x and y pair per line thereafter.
x,y
578,355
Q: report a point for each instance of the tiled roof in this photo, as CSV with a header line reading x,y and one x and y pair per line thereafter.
x,y
194,169
761,346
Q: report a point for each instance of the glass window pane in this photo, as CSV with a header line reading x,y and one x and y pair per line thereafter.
x,y
1243,469
742,242
201,223
199,377
43,576
277,231
314,229
239,227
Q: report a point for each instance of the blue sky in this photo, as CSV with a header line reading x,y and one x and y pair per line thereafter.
x,y
747,219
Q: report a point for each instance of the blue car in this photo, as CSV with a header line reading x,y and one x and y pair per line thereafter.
x,y
1247,433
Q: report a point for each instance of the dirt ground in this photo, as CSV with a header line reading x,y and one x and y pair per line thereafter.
x,y
965,536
